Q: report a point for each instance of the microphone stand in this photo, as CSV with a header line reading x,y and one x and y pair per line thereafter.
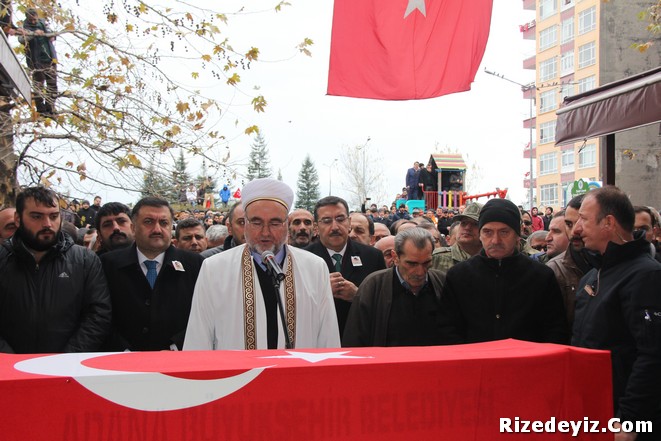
x,y
276,285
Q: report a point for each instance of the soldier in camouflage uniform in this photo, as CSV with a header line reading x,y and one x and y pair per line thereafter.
x,y
467,244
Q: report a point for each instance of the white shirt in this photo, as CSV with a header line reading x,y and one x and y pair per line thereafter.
x,y
159,259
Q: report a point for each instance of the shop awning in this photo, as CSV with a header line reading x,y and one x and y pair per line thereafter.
x,y
625,104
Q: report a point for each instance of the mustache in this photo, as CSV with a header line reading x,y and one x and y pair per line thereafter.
x,y
46,230
576,238
118,234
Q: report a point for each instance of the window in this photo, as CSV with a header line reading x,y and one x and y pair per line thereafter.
x,y
587,55
547,132
548,163
547,8
566,90
567,161
587,157
566,196
548,194
585,84
567,30
548,69
587,20
548,37
567,63
547,101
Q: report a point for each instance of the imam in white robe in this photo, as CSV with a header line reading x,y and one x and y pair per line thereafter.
x,y
218,313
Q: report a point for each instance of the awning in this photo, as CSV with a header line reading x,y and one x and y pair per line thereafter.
x,y
446,161
621,105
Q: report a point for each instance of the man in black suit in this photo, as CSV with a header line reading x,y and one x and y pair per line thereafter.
x,y
151,283
349,262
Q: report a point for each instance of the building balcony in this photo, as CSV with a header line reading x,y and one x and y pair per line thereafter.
x,y
566,4
530,123
528,30
529,5
526,183
529,93
530,62
526,152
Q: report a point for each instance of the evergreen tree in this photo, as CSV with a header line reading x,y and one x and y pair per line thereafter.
x,y
307,192
180,177
155,184
259,165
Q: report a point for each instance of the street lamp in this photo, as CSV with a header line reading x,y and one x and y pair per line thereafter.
x,y
524,88
330,175
364,185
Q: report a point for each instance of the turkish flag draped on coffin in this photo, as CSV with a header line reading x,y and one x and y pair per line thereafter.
x,y
406,49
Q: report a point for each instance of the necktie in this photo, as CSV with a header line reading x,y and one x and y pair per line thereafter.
x,y
151,272
338,262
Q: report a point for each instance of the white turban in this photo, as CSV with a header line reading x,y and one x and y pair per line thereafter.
x,y
267,189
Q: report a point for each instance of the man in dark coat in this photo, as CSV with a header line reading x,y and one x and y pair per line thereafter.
x,y
399,306
412,181
501,293
53,295
151,283
618,306
348,262
42,61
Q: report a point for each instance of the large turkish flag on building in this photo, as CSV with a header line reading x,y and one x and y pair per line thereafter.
x,y
406,49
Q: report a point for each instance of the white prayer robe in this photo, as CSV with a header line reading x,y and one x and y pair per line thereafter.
x,y
217,319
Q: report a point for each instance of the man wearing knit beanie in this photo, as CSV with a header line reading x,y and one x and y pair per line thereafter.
x,y
501,293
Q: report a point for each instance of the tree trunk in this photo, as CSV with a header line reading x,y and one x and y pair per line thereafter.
x,y
8,182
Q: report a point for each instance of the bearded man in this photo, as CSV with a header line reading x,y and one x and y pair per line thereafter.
x,y
244,313
53,293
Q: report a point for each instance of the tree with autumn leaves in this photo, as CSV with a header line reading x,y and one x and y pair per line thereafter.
x,y
133,82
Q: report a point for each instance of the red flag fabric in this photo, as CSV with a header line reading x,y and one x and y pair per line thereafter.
x,y
406,49
237,194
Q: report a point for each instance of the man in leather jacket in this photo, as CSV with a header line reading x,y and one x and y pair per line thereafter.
x,y
53,294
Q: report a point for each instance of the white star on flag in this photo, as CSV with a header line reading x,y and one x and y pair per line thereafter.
x,y
416,4
316,357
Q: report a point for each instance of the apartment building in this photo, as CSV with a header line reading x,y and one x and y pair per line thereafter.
x,y
580,45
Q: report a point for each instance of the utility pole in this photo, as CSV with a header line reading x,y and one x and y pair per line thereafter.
x,y
524,88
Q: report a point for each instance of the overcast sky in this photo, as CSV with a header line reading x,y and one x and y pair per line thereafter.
x,y
485,122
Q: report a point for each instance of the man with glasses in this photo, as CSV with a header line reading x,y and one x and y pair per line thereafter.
x,y
237,305
348,261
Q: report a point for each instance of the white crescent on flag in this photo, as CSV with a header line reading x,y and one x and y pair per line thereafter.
x,y
148,391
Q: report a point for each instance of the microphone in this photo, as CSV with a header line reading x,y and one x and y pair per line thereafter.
x,y
269,260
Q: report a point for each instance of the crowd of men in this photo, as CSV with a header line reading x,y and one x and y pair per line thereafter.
x,y
274,277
